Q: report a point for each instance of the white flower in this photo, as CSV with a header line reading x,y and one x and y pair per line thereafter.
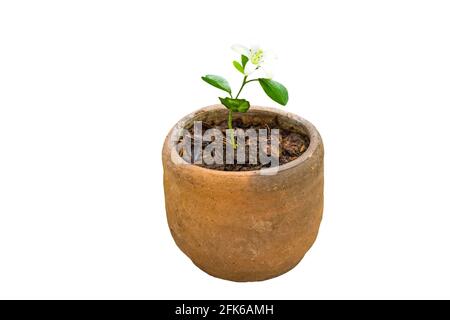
x,y
258,61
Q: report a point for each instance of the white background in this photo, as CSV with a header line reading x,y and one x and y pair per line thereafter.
x,y
89,89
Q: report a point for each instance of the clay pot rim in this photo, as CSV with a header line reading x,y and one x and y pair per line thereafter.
x,y
315,140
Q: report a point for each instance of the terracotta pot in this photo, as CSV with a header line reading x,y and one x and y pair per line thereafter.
x,y
245,226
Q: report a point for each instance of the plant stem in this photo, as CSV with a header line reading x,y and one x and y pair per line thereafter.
x,y
230,126
242,86
230,113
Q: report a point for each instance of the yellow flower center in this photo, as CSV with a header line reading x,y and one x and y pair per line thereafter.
x,y
256,57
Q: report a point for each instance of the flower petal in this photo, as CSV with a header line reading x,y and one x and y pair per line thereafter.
x,y
270,55
262,72
268,73
254,48
250,68
241,50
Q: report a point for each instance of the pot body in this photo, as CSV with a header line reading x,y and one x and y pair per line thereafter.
x,y
245,226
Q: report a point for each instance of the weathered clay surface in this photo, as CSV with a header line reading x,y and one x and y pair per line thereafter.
x,y
244,226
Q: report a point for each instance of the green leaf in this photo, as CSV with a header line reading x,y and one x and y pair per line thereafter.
x,y
244,60
218,82
238,66
275,90
236,105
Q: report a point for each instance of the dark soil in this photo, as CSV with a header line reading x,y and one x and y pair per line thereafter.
x,y
291,146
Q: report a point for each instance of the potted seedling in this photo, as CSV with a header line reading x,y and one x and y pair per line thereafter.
x,y
244,184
